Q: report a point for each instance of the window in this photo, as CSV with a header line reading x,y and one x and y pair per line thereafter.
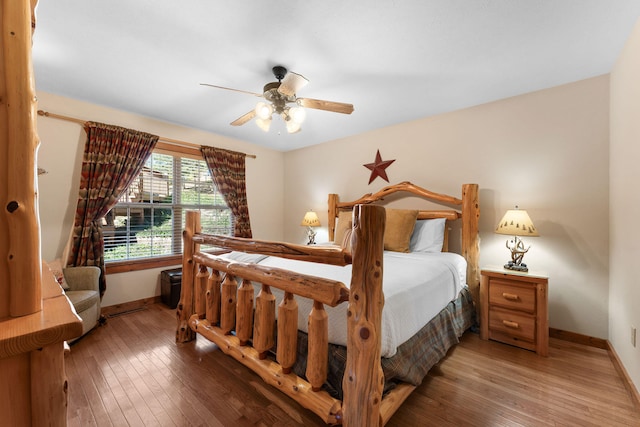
x,y
148,220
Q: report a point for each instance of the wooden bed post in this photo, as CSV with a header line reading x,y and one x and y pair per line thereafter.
x,y
19,144
363,379
332,214
471,238
186,305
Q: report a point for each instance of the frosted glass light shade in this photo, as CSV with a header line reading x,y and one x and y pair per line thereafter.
x,y
297,114
264,110
293,127
264,124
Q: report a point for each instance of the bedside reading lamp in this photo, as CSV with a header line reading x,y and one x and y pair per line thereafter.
x,y
516,223
311,220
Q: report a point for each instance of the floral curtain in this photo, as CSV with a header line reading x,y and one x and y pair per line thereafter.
x,y
228,172
113,157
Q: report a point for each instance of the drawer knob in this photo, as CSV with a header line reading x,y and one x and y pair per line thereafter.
x,y
510,324
510,297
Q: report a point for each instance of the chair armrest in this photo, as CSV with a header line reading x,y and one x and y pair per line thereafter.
x,y
82,278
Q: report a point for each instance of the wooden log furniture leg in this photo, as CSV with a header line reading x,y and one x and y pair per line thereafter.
x,y
287,332
244,312
213,297
228,306
263,337
318,354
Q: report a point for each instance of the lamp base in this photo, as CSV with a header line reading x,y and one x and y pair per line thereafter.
x,y
517,253
516,267
311,235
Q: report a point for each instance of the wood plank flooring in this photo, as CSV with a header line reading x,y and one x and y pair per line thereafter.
x,y
131,372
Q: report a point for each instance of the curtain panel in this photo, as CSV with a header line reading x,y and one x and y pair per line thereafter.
x,y
228,172
113,157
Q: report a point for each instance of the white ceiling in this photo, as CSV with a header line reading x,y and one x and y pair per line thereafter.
x,y
394,60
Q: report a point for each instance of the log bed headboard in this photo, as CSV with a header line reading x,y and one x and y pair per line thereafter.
x,y
468,212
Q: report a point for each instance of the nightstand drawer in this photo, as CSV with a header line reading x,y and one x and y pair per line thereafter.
x,y
511,296
513,324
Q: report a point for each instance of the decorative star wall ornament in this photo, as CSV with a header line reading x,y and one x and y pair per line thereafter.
x,y
378,167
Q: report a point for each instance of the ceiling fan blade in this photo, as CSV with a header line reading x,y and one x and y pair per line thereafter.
x,y
292,83
244,119
234,90
318,104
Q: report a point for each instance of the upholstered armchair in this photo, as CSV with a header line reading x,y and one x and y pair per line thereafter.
x,y
82,289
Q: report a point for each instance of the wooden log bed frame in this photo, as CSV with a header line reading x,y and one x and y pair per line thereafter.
x,y
219,304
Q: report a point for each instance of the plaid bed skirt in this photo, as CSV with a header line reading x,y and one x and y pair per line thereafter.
x,y
413,359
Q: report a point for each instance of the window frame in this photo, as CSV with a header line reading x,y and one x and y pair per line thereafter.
x,y
159,261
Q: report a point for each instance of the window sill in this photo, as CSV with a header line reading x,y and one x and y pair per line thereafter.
x,y
149,263
142,264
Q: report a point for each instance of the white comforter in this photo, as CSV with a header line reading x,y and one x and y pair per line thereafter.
x,y
416,287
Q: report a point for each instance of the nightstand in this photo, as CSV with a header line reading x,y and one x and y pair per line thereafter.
x,y
513,308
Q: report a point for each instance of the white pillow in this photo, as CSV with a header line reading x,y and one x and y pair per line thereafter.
x,y
428,235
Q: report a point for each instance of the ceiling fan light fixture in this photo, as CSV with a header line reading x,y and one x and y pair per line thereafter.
x,y
297,114
264,124
264,111
293,127
279,96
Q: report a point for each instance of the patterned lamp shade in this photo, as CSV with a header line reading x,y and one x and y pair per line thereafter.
x,y
310,220
516,222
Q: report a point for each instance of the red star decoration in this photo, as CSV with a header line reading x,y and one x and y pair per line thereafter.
x,y
378,167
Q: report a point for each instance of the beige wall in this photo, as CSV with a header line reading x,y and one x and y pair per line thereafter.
x,y
61,155
624,295
545,151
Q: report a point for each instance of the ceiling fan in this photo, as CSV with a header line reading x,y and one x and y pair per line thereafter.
x,y
281,99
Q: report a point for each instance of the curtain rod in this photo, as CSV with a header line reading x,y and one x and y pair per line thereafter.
x,y
162,138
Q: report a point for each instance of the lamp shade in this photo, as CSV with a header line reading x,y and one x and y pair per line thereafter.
x,y
264,124
516,222
310,220
264,110
297,114
293,127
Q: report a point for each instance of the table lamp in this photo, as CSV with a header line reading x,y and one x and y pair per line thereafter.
x,y
311,220
516,222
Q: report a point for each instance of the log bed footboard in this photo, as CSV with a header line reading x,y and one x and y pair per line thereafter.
x,y
217,301
321,403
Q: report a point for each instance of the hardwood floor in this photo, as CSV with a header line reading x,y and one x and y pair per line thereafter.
x,y
131,372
